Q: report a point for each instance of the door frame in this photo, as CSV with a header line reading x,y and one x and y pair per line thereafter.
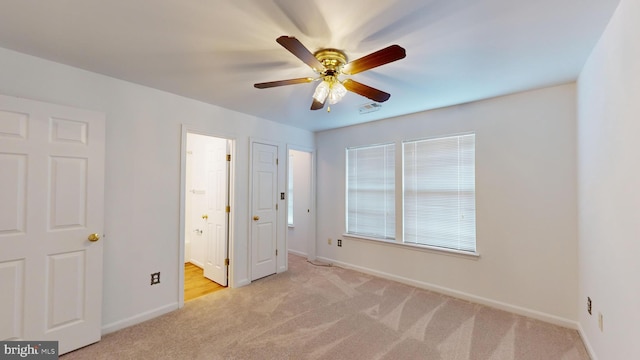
x,y
183,180
311,241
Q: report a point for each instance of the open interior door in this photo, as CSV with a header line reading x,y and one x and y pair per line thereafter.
x,y
51,222
217,213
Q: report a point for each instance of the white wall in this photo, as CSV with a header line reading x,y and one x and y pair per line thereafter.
x,y
525,195
609,195
143,134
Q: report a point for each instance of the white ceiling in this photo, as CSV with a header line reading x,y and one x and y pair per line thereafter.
x,y
215,50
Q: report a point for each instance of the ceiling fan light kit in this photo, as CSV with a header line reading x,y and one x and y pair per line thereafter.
x,y
330,88
329,64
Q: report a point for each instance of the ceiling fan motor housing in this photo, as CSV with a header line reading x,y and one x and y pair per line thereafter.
x,y
332,59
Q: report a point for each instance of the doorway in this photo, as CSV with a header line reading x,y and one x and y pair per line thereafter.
x,y
300,209
205,214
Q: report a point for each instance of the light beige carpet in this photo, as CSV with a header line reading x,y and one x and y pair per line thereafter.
x,y
312,312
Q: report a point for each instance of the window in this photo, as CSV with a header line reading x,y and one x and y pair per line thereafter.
x,y
437,199
371,191
439,192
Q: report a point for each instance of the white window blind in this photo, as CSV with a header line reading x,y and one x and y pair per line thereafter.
x,y
371,191
439,192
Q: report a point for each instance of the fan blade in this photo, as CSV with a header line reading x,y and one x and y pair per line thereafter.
x,y
271,84
317,105
300,51
366,91
380,57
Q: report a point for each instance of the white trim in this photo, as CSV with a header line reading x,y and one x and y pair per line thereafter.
x,y
418,247
137,319
553,319
442,136
243,282
295,252
586,342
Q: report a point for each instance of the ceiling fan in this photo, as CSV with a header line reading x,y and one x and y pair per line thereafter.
x,y
329,64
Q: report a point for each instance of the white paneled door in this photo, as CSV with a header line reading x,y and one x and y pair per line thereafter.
x,y
217,195
51,222
264,187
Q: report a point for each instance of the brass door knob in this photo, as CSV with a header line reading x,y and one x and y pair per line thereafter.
x,y
256,218
94,237
205,216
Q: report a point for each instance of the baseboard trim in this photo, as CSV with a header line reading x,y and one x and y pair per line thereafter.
x,y
553,319
148,315
242,283
295,252
586,342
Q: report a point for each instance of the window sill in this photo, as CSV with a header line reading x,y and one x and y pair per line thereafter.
x,y
424,248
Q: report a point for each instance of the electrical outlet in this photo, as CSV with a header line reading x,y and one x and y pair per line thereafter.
x,y
589,305
155,278
339,242
600,321
329,241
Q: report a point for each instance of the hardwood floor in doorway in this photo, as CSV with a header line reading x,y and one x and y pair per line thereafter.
x,y
195,284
